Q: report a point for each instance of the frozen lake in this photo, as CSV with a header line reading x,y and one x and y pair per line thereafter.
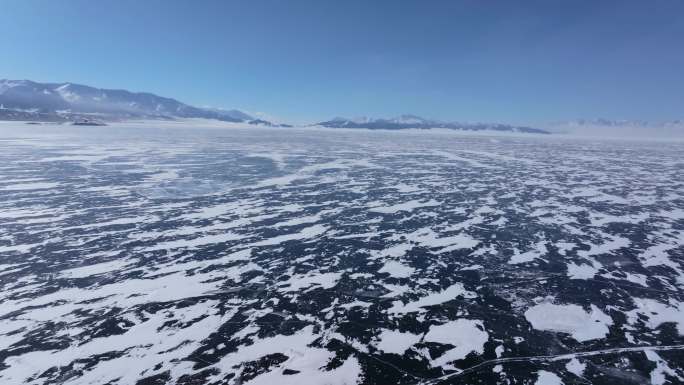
x,y
145,255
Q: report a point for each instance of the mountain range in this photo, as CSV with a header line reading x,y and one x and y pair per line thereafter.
x,y
26,100
413,121
63,102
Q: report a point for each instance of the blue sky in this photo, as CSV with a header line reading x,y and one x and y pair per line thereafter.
x,y
302,61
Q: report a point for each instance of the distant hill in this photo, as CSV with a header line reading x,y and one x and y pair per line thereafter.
x,y
412,121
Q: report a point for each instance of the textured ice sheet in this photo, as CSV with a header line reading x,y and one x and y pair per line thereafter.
x,y
189,256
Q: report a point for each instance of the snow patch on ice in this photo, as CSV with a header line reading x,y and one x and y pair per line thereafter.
x,y
571,319
547,378
465,335
394,341
448,294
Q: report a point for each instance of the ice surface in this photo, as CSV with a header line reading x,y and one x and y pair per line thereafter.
x,y
148,255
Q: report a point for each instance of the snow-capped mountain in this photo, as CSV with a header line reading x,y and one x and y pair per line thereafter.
x,y
413,121
25,99
235,114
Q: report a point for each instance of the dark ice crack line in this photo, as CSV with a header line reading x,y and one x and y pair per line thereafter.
x,y
556,357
